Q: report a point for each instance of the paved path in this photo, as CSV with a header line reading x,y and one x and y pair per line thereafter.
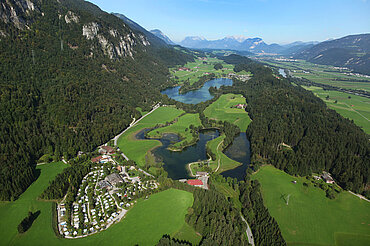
x,y
359,196
218,155
134,122
248,231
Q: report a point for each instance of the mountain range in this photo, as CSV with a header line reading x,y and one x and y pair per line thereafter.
x,y
352,51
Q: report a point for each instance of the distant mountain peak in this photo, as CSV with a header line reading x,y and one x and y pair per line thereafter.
x,y
239,38
162,36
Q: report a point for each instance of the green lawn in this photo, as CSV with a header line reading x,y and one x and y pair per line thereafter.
x,y
12,213
225,162
221,110
144,224
181,127
359,112
137,149
198,69
311,218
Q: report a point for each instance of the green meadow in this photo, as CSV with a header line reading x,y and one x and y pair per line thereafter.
x,y
310,218
222,110
224,162
181,128
355,108
163,213
137,149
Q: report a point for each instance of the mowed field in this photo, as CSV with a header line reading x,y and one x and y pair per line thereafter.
x,y
181,127
355,108
163,213
221,110
323,74
222,162
310,218
137,149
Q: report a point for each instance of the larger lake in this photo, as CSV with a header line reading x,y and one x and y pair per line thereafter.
x,y
196,96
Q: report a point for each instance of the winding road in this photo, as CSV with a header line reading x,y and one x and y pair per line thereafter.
x,y
133,123
248,231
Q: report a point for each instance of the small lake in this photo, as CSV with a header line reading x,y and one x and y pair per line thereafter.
x,y
175,162
239,151
196,96
282,72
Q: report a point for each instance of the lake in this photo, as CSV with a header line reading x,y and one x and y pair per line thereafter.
x,y
196,96
239,151
175,162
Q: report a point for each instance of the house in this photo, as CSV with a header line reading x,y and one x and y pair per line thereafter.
x,y
103,184
327,178
114,179
184,69
195,182
241,106
107,150
96,159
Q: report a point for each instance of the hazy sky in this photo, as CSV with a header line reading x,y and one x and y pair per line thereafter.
x,y
275,21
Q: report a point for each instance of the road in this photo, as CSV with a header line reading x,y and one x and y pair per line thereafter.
x,y
248,231
359,196
133,123
218,155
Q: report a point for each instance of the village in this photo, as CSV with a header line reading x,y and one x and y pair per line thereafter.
x,y
104,196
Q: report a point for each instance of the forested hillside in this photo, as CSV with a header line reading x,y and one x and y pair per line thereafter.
x,y
295,131
71,77
352,51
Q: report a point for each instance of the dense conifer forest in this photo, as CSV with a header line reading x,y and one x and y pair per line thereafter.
x,y
316,137
61,93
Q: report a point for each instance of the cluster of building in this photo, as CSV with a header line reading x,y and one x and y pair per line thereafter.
x,y
241,77
326,177
183,69
201,180
103,197
240,106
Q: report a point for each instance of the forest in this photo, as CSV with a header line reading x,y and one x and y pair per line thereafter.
x,y
57,97
317,137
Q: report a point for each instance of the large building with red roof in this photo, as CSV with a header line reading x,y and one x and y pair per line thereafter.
x,y
195,182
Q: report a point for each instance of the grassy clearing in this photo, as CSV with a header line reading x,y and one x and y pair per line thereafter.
x,y
141,111
181,127
359,112
12,213
311,218
187,233
221,110
198,69
137,149
162,213
225,162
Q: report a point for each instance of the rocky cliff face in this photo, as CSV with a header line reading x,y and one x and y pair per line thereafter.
x,y
118,42
16,12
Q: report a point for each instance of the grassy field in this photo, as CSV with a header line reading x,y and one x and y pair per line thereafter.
x,y
181,127
355,108
221,110
12,213
310,218
198,69
323,74
137,149
162,213
225,162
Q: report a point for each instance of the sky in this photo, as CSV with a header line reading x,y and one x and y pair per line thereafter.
x,y
275,21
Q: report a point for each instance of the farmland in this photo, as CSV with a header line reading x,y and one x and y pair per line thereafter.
x,y
353,107
223,109
199,68
310,217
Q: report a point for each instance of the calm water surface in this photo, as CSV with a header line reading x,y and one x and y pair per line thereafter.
x,y
175,161
196,96
239,151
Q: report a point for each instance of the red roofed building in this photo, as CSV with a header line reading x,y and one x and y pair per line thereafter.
x,y
96,159
195,182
